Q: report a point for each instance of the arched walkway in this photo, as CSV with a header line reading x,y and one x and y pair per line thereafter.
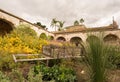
x,y
5,27
61,39
76,40
111,38
43,36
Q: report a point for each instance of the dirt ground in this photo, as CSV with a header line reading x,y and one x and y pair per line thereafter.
x,y
114,76
82,76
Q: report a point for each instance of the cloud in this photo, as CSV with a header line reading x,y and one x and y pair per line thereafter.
x,y
93,11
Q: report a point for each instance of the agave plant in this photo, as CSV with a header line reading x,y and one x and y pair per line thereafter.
x,y
96,58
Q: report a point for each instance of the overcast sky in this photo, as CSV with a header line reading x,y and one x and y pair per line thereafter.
x,y
94,12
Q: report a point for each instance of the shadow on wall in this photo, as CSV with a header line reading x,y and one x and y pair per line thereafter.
x,y
5,27
61,39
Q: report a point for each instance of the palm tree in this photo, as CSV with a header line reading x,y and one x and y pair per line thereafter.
x,y
54,23
81,21
61,24
76,23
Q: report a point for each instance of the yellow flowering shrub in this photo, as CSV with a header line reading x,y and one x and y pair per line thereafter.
x,y
21,43
21,40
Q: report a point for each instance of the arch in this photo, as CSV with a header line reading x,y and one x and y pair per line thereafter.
x,y
92,38
76,40
43,36
51,37
61,38
111,38
5,27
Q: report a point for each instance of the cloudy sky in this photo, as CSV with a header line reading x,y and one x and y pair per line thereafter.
x,y
94,12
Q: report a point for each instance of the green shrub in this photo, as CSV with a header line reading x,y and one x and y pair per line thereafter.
x,y
50,38
25,29
114,58
57,73
3,78
43,36
6,61
16,76
32,77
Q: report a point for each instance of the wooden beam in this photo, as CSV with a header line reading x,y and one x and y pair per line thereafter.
x,y
14,58
26,54
39,59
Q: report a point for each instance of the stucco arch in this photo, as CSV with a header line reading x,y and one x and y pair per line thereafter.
x,y
5,27
111,38
60,38
16,21
76,40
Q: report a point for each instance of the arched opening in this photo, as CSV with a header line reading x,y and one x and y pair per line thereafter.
x,y
76,40
92,38
111,38
43,36
51,37
5,27
61,39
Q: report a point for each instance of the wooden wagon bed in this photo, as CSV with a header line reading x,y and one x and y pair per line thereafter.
x,y
50,52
